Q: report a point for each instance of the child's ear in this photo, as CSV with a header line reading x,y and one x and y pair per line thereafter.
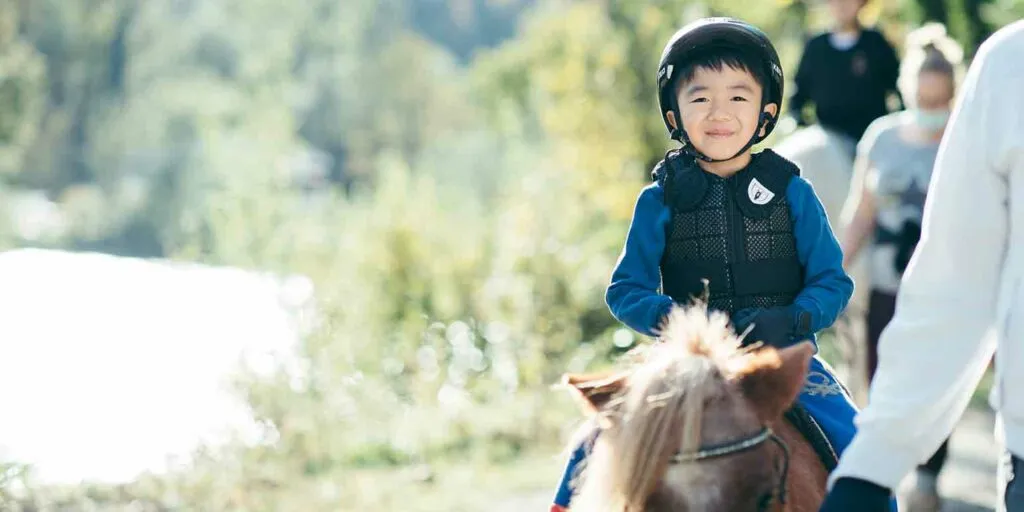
x,y
771,109
671,118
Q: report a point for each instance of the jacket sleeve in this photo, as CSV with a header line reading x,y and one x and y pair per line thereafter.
x,y
802,85
827,287
890,67
937,346
634,296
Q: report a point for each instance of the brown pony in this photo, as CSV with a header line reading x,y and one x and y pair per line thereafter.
x,y
696,425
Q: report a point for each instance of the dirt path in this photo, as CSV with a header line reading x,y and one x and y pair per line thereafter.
x,y
967,483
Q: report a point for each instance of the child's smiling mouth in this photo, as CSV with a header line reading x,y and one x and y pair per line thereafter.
x,y
719,134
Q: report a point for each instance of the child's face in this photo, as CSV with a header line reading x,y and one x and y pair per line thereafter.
x,y
934,90
720,110
845,11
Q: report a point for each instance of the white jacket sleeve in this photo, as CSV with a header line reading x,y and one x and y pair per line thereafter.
x,y
937,347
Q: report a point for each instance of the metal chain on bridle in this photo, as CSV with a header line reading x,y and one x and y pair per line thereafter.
x,y
742,445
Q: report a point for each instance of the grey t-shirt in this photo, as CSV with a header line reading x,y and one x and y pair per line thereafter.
x,y
898,174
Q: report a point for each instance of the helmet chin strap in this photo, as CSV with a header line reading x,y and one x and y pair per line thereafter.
x,y
680,135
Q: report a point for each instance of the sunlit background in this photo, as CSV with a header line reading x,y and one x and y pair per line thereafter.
x,y
323,255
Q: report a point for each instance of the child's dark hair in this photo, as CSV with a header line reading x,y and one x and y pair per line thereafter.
x,y
717,58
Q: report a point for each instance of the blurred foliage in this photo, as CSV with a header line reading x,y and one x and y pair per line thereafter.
x,y
455,176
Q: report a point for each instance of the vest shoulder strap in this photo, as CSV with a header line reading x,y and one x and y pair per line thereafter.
x,y
764,183
685,183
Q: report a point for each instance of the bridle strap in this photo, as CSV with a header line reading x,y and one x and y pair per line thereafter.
x,y
724,448
742,445
785,467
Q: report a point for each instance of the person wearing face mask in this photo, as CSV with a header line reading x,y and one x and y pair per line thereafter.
x,y
892,173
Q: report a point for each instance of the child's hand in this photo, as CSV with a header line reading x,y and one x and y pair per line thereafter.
x,y
742,319
773,326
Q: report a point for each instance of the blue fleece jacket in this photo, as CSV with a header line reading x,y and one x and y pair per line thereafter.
x,y
634,295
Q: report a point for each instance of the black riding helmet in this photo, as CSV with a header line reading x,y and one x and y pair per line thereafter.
x,y
698,38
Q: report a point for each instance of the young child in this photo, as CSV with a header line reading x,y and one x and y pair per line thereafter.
x,y
847,73
745,222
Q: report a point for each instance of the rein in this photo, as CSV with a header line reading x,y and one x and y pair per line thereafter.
x,y
742,445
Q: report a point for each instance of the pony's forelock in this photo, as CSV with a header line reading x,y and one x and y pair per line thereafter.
x,y
661,410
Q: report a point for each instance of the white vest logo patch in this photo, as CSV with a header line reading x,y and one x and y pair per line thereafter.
x,y
758,193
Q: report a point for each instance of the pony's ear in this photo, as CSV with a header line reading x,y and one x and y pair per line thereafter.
x,y
772,379
594,390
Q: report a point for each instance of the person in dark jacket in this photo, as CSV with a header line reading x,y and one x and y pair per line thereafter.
x,y
847,74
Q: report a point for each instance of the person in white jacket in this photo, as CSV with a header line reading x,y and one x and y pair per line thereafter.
x,y
961,298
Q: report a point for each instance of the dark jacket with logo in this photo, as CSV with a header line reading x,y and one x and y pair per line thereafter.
x,y
760,237
848,87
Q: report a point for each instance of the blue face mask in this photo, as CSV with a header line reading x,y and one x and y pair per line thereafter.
x,y
931,120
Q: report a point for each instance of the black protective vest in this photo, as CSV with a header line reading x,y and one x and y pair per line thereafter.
x,y
735,232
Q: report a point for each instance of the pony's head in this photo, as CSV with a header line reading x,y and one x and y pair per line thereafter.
x,y
685,427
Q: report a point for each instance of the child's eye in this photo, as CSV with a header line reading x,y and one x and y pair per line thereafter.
x,y
739,98
698,100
